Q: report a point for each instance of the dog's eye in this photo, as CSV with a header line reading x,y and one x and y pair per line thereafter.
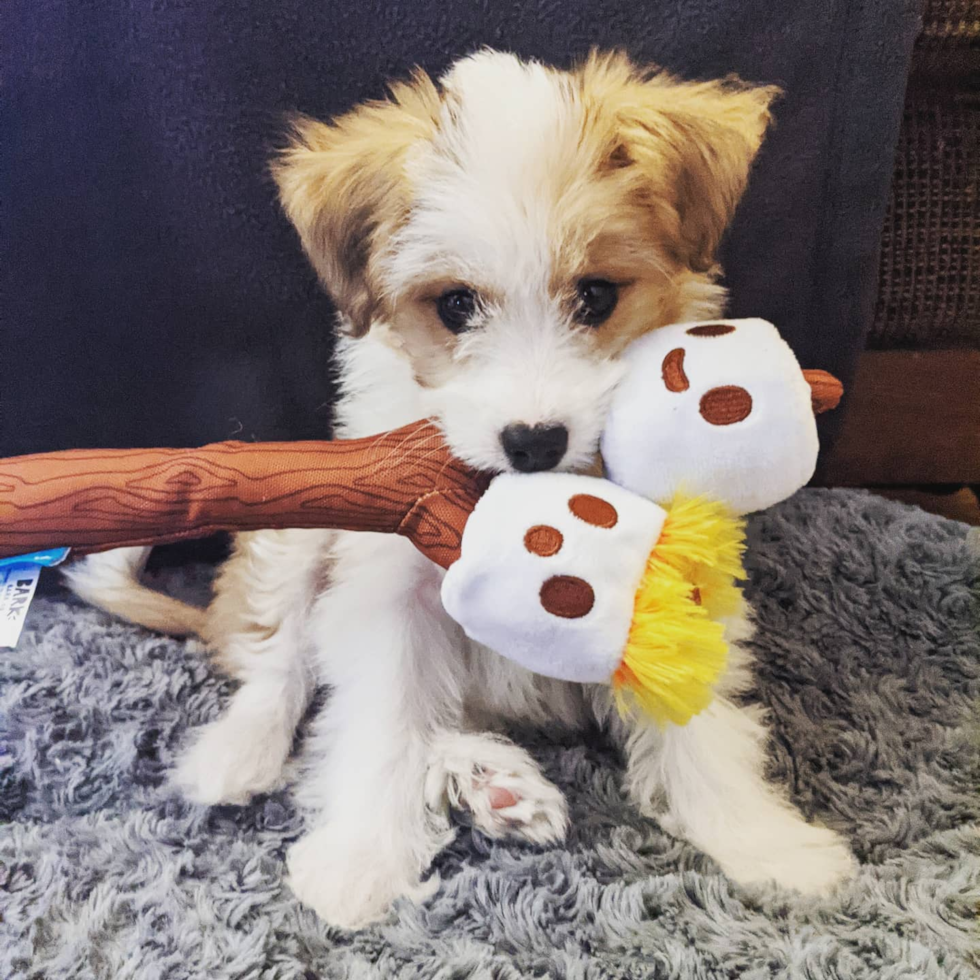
x,y
596,300
456,308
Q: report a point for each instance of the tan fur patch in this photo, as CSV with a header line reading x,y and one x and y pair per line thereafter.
x,y
344,187
667,162
686,147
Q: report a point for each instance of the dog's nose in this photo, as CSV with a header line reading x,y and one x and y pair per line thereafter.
x,y
531,448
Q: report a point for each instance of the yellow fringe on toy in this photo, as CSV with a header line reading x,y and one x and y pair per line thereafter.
x,y
676,649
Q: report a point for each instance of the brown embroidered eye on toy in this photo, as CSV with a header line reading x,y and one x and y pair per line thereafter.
x,y
620,580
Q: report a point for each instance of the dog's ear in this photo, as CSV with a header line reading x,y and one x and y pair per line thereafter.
x,y
689,145
344,186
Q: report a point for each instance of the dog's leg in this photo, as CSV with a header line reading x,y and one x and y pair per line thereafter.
x,y
394,664
705,782
254,627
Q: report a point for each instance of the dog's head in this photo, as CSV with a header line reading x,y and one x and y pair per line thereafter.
x,y
512,228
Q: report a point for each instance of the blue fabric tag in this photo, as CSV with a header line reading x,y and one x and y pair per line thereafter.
x,y
53,556
18,580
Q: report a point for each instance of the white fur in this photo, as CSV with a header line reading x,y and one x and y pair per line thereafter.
x,y
402,736
717,798
483,183
513,374
487,188
256,621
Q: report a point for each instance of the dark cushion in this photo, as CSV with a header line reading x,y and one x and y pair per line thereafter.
x,y
152,292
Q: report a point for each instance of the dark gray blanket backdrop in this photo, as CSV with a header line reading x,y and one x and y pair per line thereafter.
x,y
153,294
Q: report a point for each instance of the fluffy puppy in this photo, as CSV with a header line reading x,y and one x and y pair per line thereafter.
x,y
492,242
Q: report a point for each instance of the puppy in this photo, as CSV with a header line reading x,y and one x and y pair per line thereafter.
x,y
492,242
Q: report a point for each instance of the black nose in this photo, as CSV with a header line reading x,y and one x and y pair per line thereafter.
x,y
531,448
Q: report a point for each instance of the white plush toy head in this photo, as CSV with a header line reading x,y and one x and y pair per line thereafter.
x,y
548,572
579,579
720,408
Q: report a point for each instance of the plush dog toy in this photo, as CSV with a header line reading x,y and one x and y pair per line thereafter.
x,y
622,580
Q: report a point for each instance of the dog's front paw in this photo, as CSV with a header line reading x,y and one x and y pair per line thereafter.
x,y
500,785
351,880
812,860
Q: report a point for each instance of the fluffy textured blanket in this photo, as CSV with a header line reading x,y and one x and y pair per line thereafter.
x,y
869,660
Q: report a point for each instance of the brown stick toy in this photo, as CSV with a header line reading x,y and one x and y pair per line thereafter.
x,y
401,482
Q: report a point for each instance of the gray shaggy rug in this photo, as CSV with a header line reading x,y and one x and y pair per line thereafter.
x,y
869,659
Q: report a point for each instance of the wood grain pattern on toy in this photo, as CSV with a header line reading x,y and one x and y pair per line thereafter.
x,y
402,482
